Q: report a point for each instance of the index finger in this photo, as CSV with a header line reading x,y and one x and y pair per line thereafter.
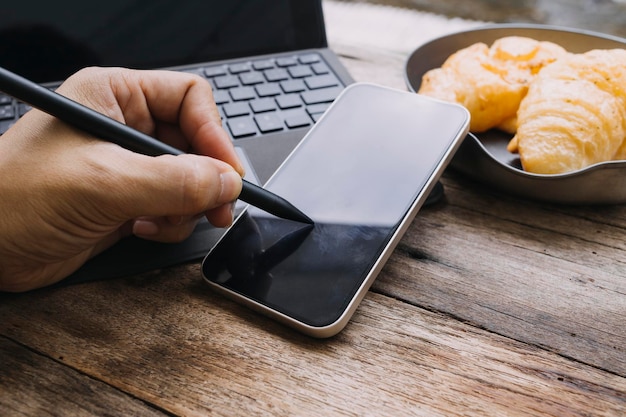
x,y
197,113
180,99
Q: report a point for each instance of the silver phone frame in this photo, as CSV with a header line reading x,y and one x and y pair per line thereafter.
x,y
338,325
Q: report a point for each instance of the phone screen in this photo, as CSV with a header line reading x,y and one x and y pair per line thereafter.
x,y
364,168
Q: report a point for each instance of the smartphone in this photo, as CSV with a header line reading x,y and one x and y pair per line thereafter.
x,y
361,173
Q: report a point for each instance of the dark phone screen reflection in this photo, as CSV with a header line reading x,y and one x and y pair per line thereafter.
x,y
310,272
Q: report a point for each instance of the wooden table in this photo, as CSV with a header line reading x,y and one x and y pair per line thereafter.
x,y
491,305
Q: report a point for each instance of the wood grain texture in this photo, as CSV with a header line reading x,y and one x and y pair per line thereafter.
x,y
171,342
35,385
552,279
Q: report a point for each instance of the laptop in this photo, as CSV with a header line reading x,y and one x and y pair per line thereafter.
x,y
268,62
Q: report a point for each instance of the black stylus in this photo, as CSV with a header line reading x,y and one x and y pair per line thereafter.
x,y
104,127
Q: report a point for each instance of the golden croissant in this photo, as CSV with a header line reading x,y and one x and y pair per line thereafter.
x,y
491,82
574,114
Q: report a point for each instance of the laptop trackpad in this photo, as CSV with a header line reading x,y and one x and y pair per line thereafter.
x,y
134,255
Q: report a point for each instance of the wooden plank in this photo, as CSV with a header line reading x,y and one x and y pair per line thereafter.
x,y
169,341
545,278
31,384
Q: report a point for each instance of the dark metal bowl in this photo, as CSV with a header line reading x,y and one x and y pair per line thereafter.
x,y
484,156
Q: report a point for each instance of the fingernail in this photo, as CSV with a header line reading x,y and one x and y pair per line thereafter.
x,y
145,228
232,210
231,186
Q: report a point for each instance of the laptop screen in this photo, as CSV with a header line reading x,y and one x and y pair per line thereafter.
x,y
48,40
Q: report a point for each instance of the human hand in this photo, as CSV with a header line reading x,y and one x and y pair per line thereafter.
x,y
66,196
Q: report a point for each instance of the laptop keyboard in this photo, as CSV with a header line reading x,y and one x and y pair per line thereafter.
x,y
270,95
253,97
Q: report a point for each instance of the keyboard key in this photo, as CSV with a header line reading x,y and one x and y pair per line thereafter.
x,y
276,74
239,67
251,78
263,104
263,64
292,86
286,61
5,99
297,118
269,122
241,127
309,58
242,93
316,116
317,108
215,71
268,90
226,81
7,112
221,96
321,81
320,68
5,125
322,95
300,71
289,101
236,109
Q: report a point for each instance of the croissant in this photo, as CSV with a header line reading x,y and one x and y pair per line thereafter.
x,y
574,114
491,82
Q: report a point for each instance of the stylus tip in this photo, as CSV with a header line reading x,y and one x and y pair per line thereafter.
x,y
299,216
